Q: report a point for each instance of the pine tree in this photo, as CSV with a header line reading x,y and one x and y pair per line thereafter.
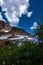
x,y
40,30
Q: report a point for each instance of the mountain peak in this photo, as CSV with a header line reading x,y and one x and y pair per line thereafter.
x,y
6,30
4,27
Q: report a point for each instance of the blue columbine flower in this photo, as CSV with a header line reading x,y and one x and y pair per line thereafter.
x,y
36,39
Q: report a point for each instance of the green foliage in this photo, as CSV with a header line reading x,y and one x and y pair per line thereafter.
x,y
40,30
28,54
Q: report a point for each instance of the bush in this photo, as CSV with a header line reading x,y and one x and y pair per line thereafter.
x,y
28,54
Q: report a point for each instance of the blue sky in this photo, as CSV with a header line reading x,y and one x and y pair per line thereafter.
x,y
37,7
28,16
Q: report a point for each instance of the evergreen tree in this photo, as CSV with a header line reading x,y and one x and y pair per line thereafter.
x,y
40,30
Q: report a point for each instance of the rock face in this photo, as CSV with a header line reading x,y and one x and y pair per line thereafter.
x,y
4,27
18,31
7,32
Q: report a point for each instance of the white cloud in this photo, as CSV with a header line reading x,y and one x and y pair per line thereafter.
x,y
34,26
29,14
14,9
1,2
